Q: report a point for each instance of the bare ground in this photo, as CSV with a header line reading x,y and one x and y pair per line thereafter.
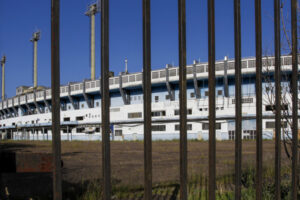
x,y
82,160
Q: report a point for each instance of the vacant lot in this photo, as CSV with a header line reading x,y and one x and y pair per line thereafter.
x,y
82,160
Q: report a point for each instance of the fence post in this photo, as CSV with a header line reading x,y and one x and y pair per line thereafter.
x,y
55,90
258,39
238,97
105,99
294,88
212,98
147,99
277,99
182,99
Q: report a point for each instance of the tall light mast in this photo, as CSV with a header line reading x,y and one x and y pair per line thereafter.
x,y
3,60
126,66
92,10
34,40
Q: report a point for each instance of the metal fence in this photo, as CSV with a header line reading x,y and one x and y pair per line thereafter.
x,y
57,178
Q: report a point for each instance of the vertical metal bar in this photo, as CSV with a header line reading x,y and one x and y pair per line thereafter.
x,y
182,99
105,100
238,99
277,99
212,98
147,99
258,39
294,86
55,90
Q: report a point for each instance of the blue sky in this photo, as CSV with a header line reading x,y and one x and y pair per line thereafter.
x,y
19,18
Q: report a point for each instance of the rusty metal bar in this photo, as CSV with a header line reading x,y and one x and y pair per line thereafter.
x,y
182,99
212,98
105,99
147,99
258,85
294,88
55,90
277,99
238,99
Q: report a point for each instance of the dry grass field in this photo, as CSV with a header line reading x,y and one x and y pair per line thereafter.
x,y
82,162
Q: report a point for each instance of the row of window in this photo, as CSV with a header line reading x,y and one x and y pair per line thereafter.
x,y
205,126
163,127
160,113
272,125
192,95
81,118
247,135
273,107
206,109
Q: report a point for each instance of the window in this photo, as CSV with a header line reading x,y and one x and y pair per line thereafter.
x,y
205,126
200,109
206,93
158,113
134,115
231,135
270,107
189,127
79,118
220,92
82,105
244,100
189,112
156,98
192,95
249,134
158,128
66,119
272,125
118,132
97,104
97,130
79,130
284,107
167,97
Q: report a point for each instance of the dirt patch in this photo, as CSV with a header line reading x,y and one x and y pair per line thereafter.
x,y
82,160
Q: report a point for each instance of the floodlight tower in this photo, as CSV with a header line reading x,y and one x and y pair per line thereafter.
x,y
35,38
126,66
3,60
92,10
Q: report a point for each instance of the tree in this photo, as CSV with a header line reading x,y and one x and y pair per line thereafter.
x,y
269,86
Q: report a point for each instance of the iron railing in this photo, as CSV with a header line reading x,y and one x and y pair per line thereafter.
x,y
57,191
